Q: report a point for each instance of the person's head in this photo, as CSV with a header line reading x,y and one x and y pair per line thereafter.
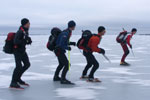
x,y
25,23
133,31
71,25
101,30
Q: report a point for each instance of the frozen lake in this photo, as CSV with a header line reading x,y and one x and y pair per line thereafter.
x,y
118,83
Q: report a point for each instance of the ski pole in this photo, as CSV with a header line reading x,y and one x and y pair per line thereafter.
x,y
106,58
132,52
69,60
123,29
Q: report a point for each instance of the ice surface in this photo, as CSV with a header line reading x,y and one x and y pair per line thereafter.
x,y
118,83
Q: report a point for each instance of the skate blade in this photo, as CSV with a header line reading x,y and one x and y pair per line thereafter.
x,y
95,81
16,88
81,78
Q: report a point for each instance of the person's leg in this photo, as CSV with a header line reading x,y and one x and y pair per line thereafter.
x,y
126,52
26,62
59,68
95,66
89,64
17,70
65,62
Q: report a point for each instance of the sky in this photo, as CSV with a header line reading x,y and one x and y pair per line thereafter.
x,y
43,13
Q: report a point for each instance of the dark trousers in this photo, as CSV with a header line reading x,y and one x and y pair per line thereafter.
x,y
63,65
126,51
22,64
91,61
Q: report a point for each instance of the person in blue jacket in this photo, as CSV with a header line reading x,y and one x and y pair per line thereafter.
x,y
63,44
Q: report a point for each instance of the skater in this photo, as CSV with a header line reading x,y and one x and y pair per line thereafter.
x,y
124,40
90,45
63,44
20,41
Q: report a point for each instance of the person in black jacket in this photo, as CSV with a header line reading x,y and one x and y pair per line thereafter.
x,y
20,41
63,44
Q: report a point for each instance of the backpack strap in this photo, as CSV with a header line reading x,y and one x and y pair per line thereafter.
x,y
23,31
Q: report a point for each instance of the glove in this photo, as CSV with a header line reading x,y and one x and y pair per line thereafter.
x,y
72,43
69,48
131,46
28,40
102,51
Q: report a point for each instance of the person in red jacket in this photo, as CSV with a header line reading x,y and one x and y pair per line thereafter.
x,y
88,53
124,46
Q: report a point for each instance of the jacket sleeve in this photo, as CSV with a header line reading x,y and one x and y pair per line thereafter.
x,y
128,40
18,38
94,44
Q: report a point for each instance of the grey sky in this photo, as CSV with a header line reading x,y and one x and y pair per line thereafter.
x,y
84,12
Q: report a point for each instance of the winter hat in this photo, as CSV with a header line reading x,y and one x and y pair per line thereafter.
x,y
24,21
71,24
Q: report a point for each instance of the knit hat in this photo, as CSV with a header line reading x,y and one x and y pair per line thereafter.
x,y
24,21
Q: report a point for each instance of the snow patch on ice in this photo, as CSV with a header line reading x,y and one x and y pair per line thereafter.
x,y
6,59
140,48
119,71
39,55
112,77
118,60
1,99
141,51
76,93
108,49
6,66
5,79
36,61
37,76
133,81
112,55
85,84
50,67
79,64
84,91
76,54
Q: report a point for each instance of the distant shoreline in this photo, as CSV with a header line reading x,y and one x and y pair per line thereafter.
x,y
74,34
144,34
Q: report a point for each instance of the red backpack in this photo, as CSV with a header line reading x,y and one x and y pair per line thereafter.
x,y
9,43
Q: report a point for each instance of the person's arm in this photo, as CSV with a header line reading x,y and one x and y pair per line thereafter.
x,y
72,43
128,40
18,38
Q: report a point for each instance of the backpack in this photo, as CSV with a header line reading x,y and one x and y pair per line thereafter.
x,y
9,43
52,39
121,38
83,41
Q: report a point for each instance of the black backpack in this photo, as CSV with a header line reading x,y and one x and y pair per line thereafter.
x,y
52,39
121,38
83,41
9,43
